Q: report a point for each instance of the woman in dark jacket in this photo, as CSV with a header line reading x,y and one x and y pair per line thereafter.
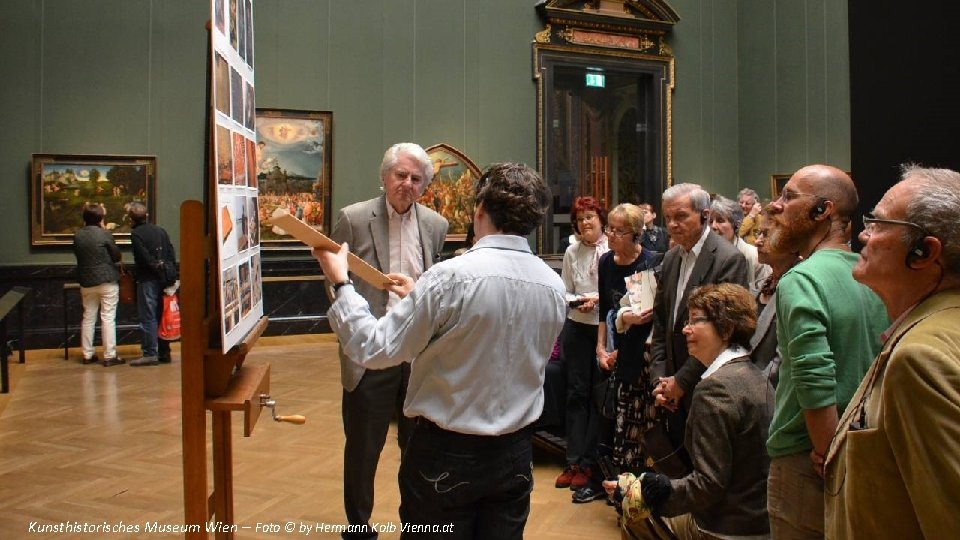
x,y
97,255
726,494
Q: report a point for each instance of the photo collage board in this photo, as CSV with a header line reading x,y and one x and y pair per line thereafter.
x,y
235,156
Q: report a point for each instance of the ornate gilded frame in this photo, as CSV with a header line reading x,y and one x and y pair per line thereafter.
x,y
623,31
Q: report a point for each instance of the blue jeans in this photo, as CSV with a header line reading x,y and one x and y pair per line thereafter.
x,y
149,310
465,486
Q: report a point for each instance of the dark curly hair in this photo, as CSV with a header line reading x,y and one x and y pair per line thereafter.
x,y
514,196
587,204
730,308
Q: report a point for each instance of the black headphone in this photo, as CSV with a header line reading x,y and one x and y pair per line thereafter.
x,y
703,217
819,209
918,251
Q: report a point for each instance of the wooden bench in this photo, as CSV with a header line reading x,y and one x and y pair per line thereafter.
x,y
11,299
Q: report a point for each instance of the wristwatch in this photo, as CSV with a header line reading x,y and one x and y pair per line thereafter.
x,y
336,286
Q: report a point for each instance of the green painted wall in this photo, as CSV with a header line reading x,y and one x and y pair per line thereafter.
x,y
794,79
761,87
100,77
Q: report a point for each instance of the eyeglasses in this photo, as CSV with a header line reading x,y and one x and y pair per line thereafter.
x,y
697,320
870,224
788,195
616,233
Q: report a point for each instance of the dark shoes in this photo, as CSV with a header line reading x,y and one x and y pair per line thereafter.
x,y
145,361
92,360
163,359
589,493
107,362
563,481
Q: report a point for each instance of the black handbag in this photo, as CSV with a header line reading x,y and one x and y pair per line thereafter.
x,y
667,458
605,396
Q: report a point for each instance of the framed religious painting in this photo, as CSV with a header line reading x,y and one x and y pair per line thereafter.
x,y
294,170
451,193
60,184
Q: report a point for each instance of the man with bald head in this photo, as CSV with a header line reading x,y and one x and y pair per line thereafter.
x,y
903,482
828,331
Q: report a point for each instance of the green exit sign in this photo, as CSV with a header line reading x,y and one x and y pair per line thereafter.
x,y
597,80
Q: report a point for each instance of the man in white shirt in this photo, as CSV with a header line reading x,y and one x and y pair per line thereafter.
x,y
393,233
477,331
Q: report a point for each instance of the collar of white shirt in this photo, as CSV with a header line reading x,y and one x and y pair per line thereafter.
x,y
727,355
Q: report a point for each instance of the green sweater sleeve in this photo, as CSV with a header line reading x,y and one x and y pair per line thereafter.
x,y
805,325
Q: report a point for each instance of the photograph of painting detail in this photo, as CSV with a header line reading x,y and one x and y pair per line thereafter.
x,y
251,164
224,156
255,279
246,293
451,193
231,299
222,84
62,184
294,169
239,160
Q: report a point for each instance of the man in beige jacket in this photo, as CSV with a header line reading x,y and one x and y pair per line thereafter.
x,y
893,467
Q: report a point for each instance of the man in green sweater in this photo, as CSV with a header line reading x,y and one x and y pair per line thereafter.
x,y
828,331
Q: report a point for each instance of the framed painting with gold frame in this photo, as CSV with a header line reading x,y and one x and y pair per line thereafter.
x,y
294,171
60,184
777,181
451,192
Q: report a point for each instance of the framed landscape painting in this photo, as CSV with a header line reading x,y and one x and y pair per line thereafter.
x,y
451,192
294,171
60,184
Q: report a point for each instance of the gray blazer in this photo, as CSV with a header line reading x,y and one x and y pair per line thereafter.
x,y
719,262
366,227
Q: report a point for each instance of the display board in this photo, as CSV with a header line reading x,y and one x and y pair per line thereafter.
x,y
235,200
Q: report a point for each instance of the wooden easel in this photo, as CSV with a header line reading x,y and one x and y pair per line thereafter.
x,y
211,382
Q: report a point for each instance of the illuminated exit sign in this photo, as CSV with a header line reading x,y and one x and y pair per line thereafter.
x,y
597,80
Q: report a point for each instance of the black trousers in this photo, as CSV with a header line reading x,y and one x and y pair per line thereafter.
x,y
458,487
579,345
367,411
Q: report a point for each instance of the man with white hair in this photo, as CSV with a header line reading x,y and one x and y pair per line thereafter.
x,y
892,468
394,234
699,257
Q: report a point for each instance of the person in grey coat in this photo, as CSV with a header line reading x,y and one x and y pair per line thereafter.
x,y
97,255
394,234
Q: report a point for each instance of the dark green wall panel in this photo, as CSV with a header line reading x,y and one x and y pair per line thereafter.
x,y
761,87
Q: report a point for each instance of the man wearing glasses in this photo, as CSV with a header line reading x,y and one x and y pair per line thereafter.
x,y
892,468
828,329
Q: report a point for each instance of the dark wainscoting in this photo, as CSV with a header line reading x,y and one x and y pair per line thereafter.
x,y
292,290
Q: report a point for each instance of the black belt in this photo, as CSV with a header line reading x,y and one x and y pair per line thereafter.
x,y
434,431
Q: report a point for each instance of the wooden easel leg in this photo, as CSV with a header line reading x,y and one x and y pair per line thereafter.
x,y
222,473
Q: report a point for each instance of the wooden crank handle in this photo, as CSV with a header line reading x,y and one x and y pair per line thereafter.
x,y
292,418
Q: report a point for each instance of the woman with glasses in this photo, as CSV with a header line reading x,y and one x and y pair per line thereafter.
x,y
624,263
764,341
579,335
725,219
725,496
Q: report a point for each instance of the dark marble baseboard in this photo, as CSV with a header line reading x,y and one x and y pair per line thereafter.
x,y
293,294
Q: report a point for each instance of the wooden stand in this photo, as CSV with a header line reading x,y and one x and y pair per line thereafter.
x,y
211,380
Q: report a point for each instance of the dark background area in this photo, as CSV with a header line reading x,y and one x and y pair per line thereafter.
x,y
904,91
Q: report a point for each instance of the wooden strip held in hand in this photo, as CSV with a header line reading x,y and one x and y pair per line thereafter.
x,y
315,239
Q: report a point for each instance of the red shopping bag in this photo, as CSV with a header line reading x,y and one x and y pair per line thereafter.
x,y
169,329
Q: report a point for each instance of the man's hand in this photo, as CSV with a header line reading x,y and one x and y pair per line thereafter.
x,y
668,393
818,460
607,360
334,264
402,284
